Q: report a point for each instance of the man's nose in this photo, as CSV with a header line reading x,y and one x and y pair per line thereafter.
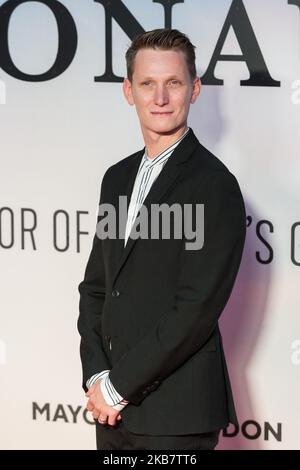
x,y
161,95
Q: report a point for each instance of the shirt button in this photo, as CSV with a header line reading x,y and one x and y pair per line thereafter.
x,y
115,293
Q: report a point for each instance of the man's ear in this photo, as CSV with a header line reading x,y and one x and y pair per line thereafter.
x,y
196,89
127,90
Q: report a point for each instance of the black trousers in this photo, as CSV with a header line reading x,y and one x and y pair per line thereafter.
x,y
119,438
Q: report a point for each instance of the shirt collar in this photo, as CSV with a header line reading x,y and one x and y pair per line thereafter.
x,y
164,154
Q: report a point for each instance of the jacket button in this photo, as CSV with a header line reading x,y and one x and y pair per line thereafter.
x,y
115,293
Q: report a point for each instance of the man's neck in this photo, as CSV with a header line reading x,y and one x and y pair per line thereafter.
x,y
157,143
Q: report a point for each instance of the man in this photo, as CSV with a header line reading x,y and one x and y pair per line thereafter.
x,y
151,350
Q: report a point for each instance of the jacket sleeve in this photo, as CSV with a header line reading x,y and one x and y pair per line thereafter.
x,y
92,296
205,281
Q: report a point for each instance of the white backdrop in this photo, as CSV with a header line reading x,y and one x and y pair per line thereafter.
x,y
57,139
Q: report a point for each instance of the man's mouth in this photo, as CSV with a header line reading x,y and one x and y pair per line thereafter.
x,y
164,113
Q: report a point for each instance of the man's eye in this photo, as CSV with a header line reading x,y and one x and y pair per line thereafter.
x,y
146,83
174,82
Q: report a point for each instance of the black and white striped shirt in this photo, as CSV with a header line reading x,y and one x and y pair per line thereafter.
x,y
147,173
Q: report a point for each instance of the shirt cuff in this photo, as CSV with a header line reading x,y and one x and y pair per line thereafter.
x,y
95,377
110,394
107,389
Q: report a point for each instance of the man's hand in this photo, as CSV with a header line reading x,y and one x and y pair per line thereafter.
x,y
99,408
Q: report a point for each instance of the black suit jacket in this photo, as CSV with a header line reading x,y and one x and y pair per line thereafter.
x,y
159,304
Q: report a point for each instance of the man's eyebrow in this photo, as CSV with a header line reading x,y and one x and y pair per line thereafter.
x,y
168,78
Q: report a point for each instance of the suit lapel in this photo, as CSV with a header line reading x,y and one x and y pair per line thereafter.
x,y
167,178
131,172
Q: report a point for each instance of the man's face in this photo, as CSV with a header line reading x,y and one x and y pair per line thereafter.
x,y
161,90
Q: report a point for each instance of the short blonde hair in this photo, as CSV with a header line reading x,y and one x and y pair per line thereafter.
x,y
163,39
